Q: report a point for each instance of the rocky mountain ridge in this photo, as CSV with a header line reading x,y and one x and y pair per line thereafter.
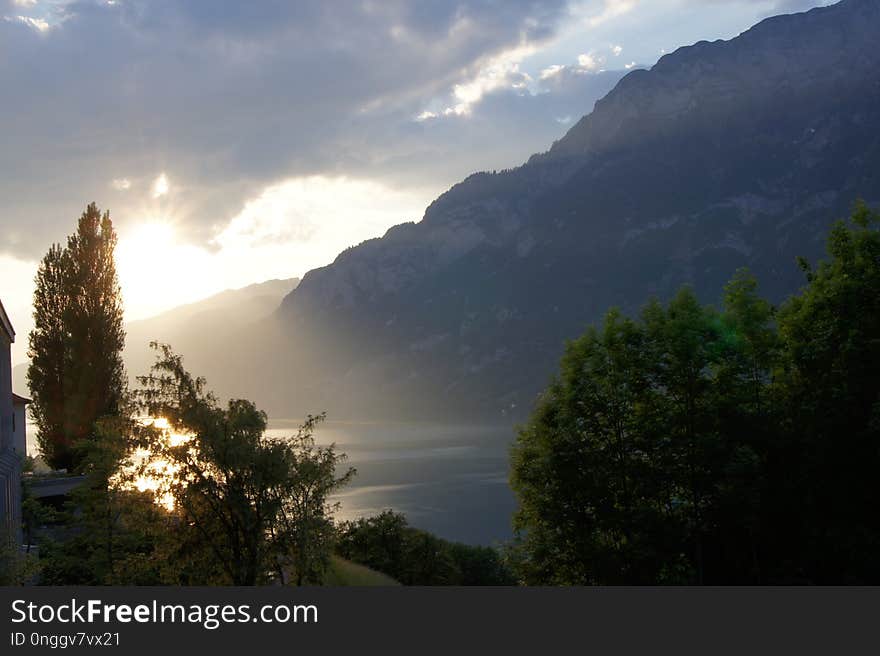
x,y
726,154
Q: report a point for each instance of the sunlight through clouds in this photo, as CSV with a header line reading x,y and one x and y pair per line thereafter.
x,y
498,72
160,186
610,10
290,228
312,219
37,23
156,272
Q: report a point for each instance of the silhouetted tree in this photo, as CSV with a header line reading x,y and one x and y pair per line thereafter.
x,y
829,381
250,506
76,374
714,447
113,534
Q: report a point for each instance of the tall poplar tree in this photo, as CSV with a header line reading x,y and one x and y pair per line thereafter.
x,y
76,374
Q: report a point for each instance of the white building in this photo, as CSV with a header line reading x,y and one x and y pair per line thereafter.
x,y
13,444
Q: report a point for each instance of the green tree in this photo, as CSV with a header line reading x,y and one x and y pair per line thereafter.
x,y
76,374
829,381
47,348
378,542
748,419
386,543
250,507
112,534
16,568
639,449
579,466
304,533
738,446
684,347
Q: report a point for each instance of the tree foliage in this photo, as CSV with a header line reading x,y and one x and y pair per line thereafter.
x,y
76,374
248,507
701,446
109,532
386,543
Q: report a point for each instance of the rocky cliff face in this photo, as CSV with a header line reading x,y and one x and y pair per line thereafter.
x,y
723,155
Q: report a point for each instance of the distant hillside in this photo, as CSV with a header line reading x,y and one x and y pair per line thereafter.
x,y
203,331
725,154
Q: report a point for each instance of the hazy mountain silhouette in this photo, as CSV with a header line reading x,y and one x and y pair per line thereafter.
x,y
725,154
202,331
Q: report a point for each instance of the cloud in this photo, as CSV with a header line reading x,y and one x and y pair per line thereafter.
x,y
590,61
794,6
501,71
552,71
161,186
772,7
308,209
229,99
610,10
39,24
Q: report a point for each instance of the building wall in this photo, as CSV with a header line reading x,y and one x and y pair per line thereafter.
x,y
19,427
5,391
10,462
10,497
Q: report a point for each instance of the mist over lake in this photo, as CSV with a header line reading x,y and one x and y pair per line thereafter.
x,y
449,480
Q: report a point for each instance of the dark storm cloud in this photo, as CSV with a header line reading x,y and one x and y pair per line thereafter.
x,y
223,97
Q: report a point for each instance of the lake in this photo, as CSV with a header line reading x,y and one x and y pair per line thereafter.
x,y
449,480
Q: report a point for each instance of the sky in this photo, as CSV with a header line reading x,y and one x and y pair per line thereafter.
x,y
236,142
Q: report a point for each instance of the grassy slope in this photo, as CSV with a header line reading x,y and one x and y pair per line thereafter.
x,y
346,573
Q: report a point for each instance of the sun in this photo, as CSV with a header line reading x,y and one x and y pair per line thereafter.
x,y
153,236
140,248
156,271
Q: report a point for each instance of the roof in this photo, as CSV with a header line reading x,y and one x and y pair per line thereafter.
x,y
20,400
5,323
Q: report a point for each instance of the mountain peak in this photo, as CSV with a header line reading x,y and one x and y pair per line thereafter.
x,y
784,59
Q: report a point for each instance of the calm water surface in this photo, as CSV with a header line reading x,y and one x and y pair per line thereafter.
x,y
450,480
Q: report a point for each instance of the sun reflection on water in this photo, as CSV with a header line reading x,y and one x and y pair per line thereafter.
x,y
148,471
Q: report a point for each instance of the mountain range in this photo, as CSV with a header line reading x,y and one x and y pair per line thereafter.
x,y
723,155
222,316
